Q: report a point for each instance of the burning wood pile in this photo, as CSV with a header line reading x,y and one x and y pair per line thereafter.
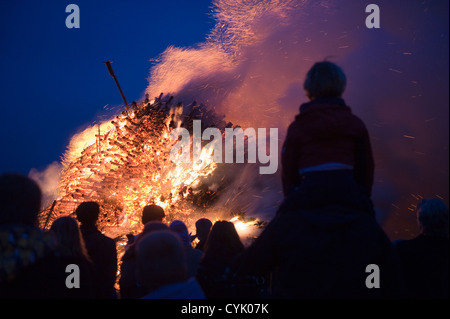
x,y
124,164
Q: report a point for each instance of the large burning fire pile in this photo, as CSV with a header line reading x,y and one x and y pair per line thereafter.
x,y
124,164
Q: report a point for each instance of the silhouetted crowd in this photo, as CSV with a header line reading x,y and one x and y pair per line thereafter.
x,y
323,243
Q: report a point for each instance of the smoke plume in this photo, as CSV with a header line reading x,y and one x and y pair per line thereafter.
x,y
47,180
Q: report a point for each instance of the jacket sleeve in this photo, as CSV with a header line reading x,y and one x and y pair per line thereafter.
x,y
289,161
364,162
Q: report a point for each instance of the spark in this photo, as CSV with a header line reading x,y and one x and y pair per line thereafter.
x,y
395,70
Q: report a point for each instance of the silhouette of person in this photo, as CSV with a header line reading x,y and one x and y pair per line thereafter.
x,y
101,249
222,250
326,141
71,250
152,213
425,258
129,286
29,265
149,213
325,233
193,256
161,267
202,228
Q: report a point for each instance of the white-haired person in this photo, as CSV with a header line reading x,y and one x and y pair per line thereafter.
x,y
425,258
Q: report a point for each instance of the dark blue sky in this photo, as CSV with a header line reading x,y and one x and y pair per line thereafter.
x,y
53,81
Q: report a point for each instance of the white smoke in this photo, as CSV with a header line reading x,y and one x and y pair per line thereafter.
x,y
48,181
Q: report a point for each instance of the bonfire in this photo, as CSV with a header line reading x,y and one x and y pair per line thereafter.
x,y
124,164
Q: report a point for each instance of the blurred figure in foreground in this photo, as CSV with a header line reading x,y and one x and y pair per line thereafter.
x,y
129,286
29,267
71,250
425,259
161,268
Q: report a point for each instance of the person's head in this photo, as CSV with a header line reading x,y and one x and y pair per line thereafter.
x,y
202,227
223,241
181,230
152,213
87,213
432,217
149,228
325,80
20,200
68,236
161,260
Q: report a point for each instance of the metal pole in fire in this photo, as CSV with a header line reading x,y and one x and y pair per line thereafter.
x,y
111,72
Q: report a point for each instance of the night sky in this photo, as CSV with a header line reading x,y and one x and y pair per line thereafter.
x,y
53,82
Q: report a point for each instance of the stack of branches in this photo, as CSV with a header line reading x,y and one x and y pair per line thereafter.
x,y
129,167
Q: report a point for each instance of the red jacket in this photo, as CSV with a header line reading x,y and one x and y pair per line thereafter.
x,y
326,131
